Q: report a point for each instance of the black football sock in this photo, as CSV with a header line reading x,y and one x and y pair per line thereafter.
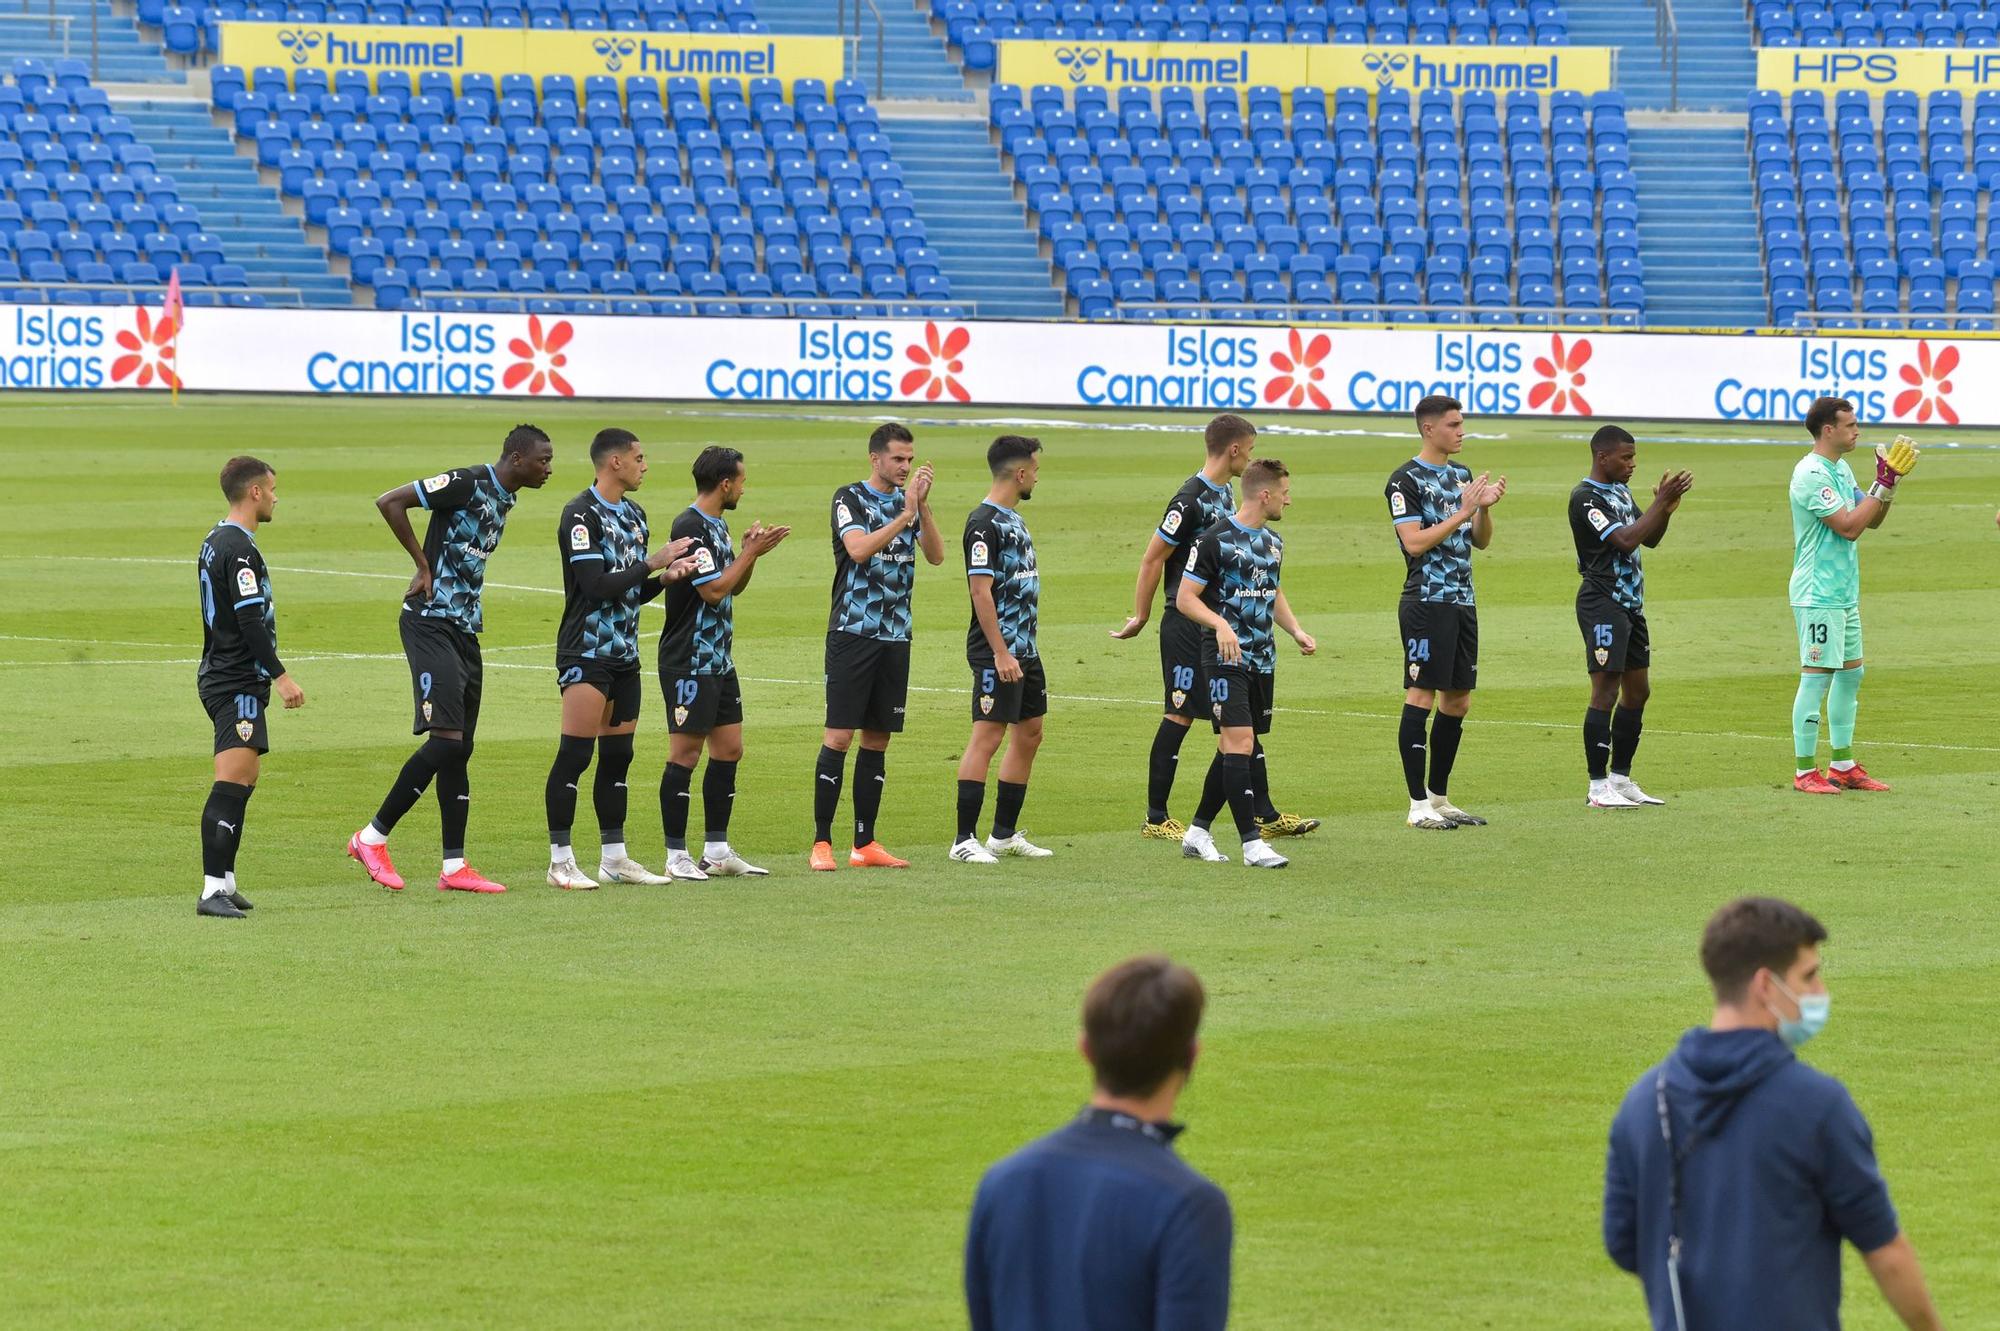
x,y
827,772
454,795
1242,800
221,827
1410,742
614,764
1007,809
675,782
1161,766
1596,741
412,782
1214,794
559,792
1626,723
1260,785
971,795
1445,732
241,820
718,798
871,774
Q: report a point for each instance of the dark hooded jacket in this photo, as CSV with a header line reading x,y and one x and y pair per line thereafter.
x,y
1777,1166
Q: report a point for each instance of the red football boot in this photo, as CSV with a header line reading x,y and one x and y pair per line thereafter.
x,y
375,859
821,859
1812,783
1855,778
467,879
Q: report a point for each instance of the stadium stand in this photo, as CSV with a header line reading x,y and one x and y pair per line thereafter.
x,y
525,193
194,28
976,26
1851,23
1884,209
1439,209
86,206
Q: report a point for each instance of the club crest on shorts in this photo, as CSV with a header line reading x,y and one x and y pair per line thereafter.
x,y
1179,696
1218,711
245,729
1413,671
680,716
985,704
1602,654
1813,653
427,709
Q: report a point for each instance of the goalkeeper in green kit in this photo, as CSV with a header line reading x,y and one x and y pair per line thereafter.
x,y
1829,512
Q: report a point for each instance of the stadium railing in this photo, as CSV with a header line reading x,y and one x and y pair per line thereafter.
x,y
63,293
56,26
1521,316
853,39
1667,32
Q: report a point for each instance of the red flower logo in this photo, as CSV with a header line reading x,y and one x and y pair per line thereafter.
x,y
540,358
1931,385
938,364
149,350
1562,377
1301,372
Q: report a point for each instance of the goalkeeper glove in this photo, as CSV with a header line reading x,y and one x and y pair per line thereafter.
x,y
1894,461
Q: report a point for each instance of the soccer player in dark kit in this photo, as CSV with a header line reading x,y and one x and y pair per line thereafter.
x,y
879,525
238,671
440,627
607,576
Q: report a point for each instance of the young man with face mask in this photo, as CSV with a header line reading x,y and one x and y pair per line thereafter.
x,y
1735,1170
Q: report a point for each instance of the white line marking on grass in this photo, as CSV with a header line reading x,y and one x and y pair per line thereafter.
x,y
85,642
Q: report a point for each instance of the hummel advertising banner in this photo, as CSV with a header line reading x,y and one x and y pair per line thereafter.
x,y
1932,379
376,48
1142,64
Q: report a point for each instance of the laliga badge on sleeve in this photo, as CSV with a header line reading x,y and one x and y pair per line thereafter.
x,y
1597,518
436,483
1173,522
246,582
579,537
1398,505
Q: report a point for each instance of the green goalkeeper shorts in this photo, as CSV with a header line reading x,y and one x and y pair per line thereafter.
x,y
1829,636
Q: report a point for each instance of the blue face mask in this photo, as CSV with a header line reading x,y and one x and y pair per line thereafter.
x,y
1813,1010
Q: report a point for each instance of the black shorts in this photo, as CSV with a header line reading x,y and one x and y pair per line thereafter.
x,y
238,715
618,681
1614,638
446,674
1023,700
1181,672
698,704
1440,645
1239,696
867,683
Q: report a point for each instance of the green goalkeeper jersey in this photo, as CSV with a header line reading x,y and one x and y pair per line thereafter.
x,y
1826,567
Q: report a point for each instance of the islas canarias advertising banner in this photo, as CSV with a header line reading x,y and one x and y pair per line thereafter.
x,y
378,48
1934,378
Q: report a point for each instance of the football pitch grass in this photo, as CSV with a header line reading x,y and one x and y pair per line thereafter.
x,y
766,1103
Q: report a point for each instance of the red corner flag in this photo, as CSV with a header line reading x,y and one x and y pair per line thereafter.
x,y
173,311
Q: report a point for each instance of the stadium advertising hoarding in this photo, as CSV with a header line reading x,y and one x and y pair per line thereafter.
x,y
1933,379
1114,64
1925,69
378,48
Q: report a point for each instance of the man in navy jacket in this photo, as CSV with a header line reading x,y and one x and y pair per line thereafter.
x,y
1099,1226
1747,1165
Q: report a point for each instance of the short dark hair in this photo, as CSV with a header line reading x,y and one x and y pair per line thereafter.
x,y
1225,430
1752,934
1610,438
522,438
1434,406
239,474
1262,473
891,433
1825,411
714,465
609,441
1140,1018
1010,451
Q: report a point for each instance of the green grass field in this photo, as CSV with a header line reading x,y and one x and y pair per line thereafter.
x,y
766,1104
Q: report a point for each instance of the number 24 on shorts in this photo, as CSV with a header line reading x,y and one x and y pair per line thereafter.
x,y
1418,649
